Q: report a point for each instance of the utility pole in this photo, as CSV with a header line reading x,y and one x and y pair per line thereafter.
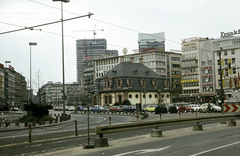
x,y
222,91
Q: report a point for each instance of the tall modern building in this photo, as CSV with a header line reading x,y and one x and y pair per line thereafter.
x,y
88,49
147,42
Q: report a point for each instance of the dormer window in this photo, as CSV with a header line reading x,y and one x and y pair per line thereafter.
x,y
147,72
143,83
135,72
154,82
129,82
119,83
108,84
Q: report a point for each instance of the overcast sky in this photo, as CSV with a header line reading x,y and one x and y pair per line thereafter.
x,y
121,20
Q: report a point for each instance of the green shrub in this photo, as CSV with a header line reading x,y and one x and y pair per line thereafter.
x,y
46,118
159,110
173,109
27,118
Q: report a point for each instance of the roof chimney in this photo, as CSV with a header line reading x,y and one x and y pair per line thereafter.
x,y
132,59
141,60
121,59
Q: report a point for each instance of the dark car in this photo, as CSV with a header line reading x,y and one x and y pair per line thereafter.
x,y
80,108
129,108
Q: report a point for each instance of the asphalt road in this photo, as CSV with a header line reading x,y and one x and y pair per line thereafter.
x,y
215,139
82,121
48,140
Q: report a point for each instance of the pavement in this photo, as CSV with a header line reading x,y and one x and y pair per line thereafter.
x,y
138,139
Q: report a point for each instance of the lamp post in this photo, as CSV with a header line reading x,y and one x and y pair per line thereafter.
x,y
31,44
222,91
64,96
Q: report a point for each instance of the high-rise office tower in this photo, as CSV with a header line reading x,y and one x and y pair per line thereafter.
x,y
151,42
89,49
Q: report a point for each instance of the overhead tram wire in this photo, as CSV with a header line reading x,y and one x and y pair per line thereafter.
x,y
108,23
32,27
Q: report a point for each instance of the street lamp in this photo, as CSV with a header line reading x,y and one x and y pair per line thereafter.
x,y
64,96
31,44
222,92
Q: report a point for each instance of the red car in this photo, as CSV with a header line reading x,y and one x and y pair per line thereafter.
x,y
185,108
115,109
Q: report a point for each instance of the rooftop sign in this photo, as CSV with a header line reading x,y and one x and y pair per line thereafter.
x,y
228,34
189,39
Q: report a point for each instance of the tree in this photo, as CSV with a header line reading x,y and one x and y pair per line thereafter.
x,y
36,110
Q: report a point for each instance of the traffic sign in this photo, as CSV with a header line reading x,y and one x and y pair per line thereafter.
x,y
232,108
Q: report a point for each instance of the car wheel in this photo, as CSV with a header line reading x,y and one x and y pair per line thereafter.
x,y
200,110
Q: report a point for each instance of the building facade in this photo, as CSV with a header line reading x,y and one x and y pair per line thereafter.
x,y
13,90
51,93
129,81
165,64
230,64
155,41
88,49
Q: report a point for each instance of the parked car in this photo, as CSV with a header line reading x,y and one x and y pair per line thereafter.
x,y
171,105
115,109
150,108
129,108
71,108
96,109
194,106
214,108
80,108
185,108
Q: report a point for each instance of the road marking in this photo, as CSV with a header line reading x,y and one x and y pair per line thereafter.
x,y
143,151
215,148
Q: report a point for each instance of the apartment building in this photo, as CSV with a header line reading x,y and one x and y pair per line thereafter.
x,y
51,93
230,64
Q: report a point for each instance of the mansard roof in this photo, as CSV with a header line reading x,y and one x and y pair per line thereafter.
x,y
133,70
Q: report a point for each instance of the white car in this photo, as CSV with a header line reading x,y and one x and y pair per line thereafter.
x,y
71,108
204,108
194,106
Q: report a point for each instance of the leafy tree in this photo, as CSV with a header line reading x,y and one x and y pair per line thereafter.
x,y
37,111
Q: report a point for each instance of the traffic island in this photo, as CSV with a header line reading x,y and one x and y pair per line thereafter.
x,y
156,133
197,127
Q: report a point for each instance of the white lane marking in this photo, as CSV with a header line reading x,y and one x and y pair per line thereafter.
x,y
216,148
143,151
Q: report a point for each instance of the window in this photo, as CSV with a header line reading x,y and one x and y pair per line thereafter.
x,y
150,96
130,96
136,96
226,72
210,62
225,52
226,61
203,63
233,60
232,51
156,96
110,99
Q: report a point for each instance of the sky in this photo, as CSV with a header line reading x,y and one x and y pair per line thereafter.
x,y
121,20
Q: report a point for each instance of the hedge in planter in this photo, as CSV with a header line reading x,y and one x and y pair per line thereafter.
x,y
159,110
